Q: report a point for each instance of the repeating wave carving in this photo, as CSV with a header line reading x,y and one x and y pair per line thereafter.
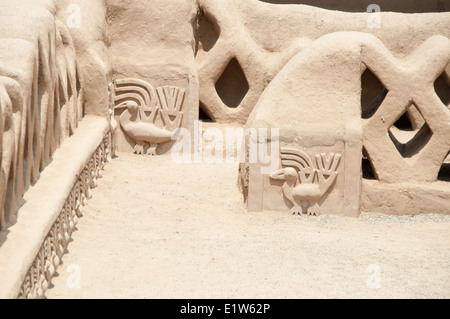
x,y
41,103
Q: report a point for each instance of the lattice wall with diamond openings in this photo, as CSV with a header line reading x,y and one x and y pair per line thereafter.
x,y
406,125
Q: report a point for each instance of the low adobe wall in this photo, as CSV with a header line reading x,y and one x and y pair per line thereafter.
x,y
53,144
32,248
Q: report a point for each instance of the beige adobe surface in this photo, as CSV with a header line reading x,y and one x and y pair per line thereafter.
x,y
144,238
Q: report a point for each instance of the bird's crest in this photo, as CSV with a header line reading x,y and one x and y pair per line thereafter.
x,y
163,103
324,168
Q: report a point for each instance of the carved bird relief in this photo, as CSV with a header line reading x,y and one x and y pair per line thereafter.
x,y
305,184
143,107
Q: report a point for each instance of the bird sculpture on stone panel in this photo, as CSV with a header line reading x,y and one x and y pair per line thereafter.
x,y
305,184
143,131
144,107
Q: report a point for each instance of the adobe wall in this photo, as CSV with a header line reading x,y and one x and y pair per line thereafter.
x,y
253,40
152,42
361,101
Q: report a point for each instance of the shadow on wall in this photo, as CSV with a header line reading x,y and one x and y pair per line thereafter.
x,y
406,6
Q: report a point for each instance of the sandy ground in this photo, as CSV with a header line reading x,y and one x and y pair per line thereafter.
x,y
156,229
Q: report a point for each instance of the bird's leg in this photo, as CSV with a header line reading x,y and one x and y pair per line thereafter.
x,y
139,147
314,210
152,149
296,210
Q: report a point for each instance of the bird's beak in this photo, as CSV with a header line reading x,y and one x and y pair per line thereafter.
x,y
279,174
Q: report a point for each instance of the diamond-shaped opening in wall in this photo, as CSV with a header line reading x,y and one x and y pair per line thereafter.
x,y
410,142
373,94
442,88
404,123
367,169
410,120
207,33
203,114
444,172
232,86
